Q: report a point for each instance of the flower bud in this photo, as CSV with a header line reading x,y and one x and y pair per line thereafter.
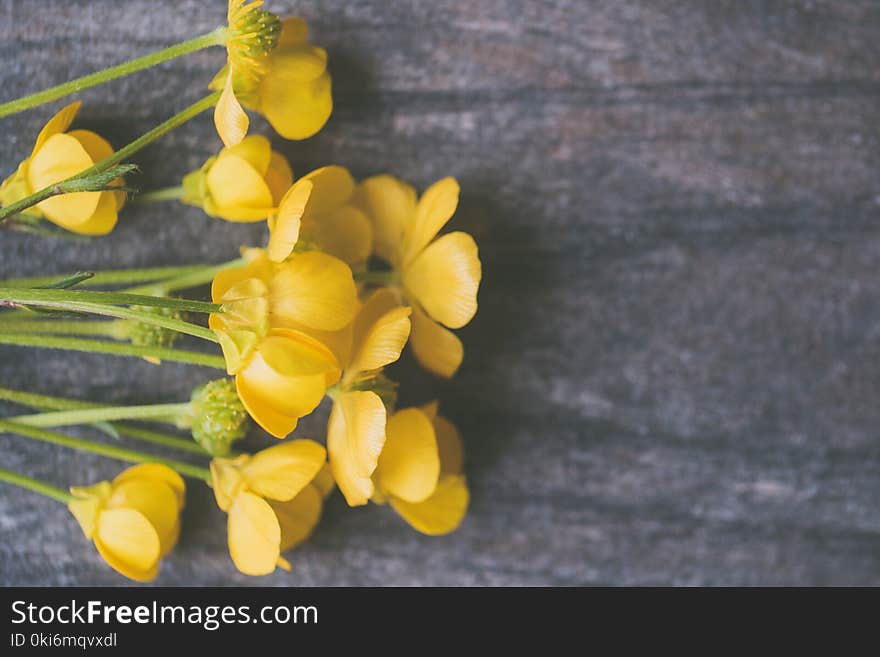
x,y
217,418
148,335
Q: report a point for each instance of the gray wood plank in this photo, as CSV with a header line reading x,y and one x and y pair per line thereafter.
x,y
674,373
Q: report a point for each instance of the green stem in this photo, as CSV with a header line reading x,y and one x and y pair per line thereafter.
x,y
377,277
18,324
164,194
116,276
122,154
35,485
43,297
215,38
48,403
186,281
111,451
115,348
163,439
102,414
137,315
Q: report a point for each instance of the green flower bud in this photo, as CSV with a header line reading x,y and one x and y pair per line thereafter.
x,y
147,335
217,418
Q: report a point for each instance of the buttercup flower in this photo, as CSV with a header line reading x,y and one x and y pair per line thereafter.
x,y
273,500
253,32
356,430
272,70
135,520
439,277
326,219
281,371
57,155
420,471
245,182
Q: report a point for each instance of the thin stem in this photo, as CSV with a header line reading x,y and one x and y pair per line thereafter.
x,y
22,324
164,194
35,485
111,451
186,281
46,402
138,315
122,154
215,38
42,297
115,348
162,439
115,276
102,414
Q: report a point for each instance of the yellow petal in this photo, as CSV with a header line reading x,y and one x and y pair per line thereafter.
x,y
156,472
272,420
345,233
229,117
129,543
226,479
380,344
253,149
61,157
409,465
442,512
445,279
282,471
87,503
279,176
437,349
390,205
435,208
236,283
95,145
236,345
380,302
286,376
254,535
314,289
156,501
294,32
238,190
298,517
355,435
449,445
333,186
296,109
57,124
285,226
103,219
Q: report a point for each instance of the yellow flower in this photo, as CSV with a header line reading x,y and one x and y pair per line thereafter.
x,y
439,277
245,182
324,218
356,430
281,370
253,32
294,94
280,76
420,471
273,500
57,155
135,520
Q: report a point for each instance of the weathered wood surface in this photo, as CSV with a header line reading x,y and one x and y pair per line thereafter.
x,y
674,374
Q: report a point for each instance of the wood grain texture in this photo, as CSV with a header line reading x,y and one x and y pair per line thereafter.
x,y
674,374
